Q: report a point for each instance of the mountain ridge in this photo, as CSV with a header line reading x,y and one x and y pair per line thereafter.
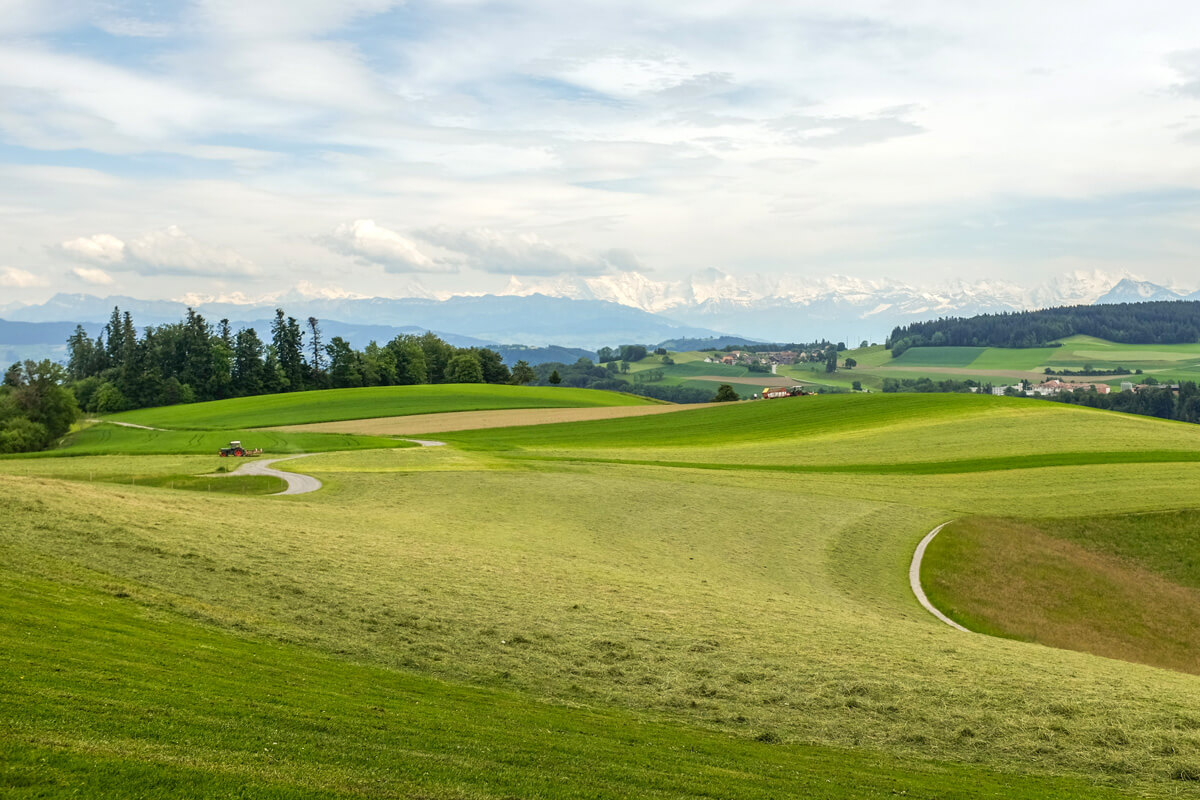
x,y
623,307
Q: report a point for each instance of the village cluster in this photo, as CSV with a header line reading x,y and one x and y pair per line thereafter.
x,y
769,358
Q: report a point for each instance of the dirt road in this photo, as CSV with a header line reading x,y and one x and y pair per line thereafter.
x,y
914,579
296,483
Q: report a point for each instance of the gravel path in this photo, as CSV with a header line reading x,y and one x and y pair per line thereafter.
x,y
914,579
126,424
296,483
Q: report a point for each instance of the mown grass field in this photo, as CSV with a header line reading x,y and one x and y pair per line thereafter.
x,y
653,606
324,727
329,405
105,439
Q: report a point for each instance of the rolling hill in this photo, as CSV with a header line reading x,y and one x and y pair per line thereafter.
x,y
328,405
713,601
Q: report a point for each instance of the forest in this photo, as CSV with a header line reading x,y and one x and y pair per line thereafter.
x,y
1166,322
35,407
193,360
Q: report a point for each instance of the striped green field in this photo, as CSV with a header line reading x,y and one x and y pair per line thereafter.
x,y
712,602
993,364
105,439
330,405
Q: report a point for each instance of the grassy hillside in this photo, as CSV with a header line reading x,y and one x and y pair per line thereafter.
x,y
839,430
162,706
104,439
522,604
329,405
1168,363
1125,586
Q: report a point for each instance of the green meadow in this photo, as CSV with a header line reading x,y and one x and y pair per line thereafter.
x,y
712,602
331,405
1167,363
105,439
1125,586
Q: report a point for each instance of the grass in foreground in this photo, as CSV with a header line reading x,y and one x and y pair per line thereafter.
x,y
107,699
330,405
734,603
1122,587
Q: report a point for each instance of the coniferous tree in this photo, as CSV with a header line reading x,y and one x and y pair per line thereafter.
x,y
288,342
249,367
317,365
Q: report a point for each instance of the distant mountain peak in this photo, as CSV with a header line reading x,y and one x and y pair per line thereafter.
x,y
1130,290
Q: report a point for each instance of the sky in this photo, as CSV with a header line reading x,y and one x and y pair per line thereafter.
x,y
243,149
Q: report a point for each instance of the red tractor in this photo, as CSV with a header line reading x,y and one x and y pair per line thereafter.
x,y
236,449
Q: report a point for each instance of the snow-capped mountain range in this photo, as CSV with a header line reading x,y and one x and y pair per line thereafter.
x,y
787,307
631,307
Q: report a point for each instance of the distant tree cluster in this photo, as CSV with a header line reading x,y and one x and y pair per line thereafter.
x,y
1088,370
1165,322
927,385
35,406
191,361
627,352
1153,401
585,374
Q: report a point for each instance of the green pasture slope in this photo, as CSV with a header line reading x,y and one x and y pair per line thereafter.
x,y
105,439
331,405
1165,362
1124,586
713,602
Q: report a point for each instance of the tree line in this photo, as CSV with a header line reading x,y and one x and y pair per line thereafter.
x,y
35,407
1164,402
1161,322
193,360
585,374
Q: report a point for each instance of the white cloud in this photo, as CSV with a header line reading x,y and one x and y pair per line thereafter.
x,y
93,275
370,243
19,278
133,27
173,252
267,18
521,253
101,248
169,251
785,138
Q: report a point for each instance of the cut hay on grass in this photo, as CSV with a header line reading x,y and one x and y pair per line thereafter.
x,y
756,608
478,420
